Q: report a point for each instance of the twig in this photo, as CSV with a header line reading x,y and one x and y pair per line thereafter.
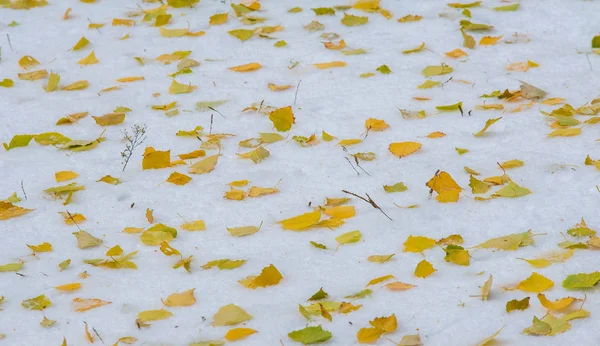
x,y
213,109
133,141
357,164
367,133
587,56
23,189
351,165
461,110
297,88
99,337
9,44
73,219
370,201
211,123
96,28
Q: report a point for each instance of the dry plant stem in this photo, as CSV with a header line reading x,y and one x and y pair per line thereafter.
x,y
370,201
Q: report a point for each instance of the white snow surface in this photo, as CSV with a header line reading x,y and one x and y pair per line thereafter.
x,y
441,309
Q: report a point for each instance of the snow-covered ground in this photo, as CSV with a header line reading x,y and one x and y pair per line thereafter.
x,y
441,309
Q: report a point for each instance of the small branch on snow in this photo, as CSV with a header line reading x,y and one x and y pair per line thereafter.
x,y
370,201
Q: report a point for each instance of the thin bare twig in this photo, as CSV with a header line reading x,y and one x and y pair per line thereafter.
x,y
99,337
9,43
358,165
211,123
351,165
213,109
587,56
23,189
73,219
297,88
370,201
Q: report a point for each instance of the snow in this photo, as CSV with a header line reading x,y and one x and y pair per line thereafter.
x,y
338,101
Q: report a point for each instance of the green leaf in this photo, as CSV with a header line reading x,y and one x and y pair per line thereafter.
x,y
361,294
468,26
517,304
512,190
319,295
450,108
37,303
428,84
182,3
295,10
280,43
351,20
581,280
18,141
242,34
349,238
318,246
507,8
310,335
13,24
478,186
384,69
596,42
7,83
11,267
469,5
323,11
437,70
354,51
398,187
51,138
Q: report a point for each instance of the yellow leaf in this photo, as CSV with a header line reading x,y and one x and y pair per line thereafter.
x,y
181,299
456,54
122,22
235,194
89,60
436,134
114,251
340,212
253,66
173,32
35,75
178,88
38,303
69,287
72,219
27,62
79,85
349,238
53,81
191,226
11,267
380,280
410,18
44,247
243,231
7,83
110,119
368,335
218,19
154,159
130,79
555,305
488,123
229,315
424,269
282,118
205,165
81,43
450,108
535,283
414,50
178,179
86,240
326,65
512,164
81,304
437,70
387,324
418,244
47,322
109,180
351,20
192,155
350,141
333,46
373,124
399,286
241,34
403,149
257,155
256,191
489,40
302,222
236,334
65,175
153,315
478,186
568,132
150,215
380,258
274,87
